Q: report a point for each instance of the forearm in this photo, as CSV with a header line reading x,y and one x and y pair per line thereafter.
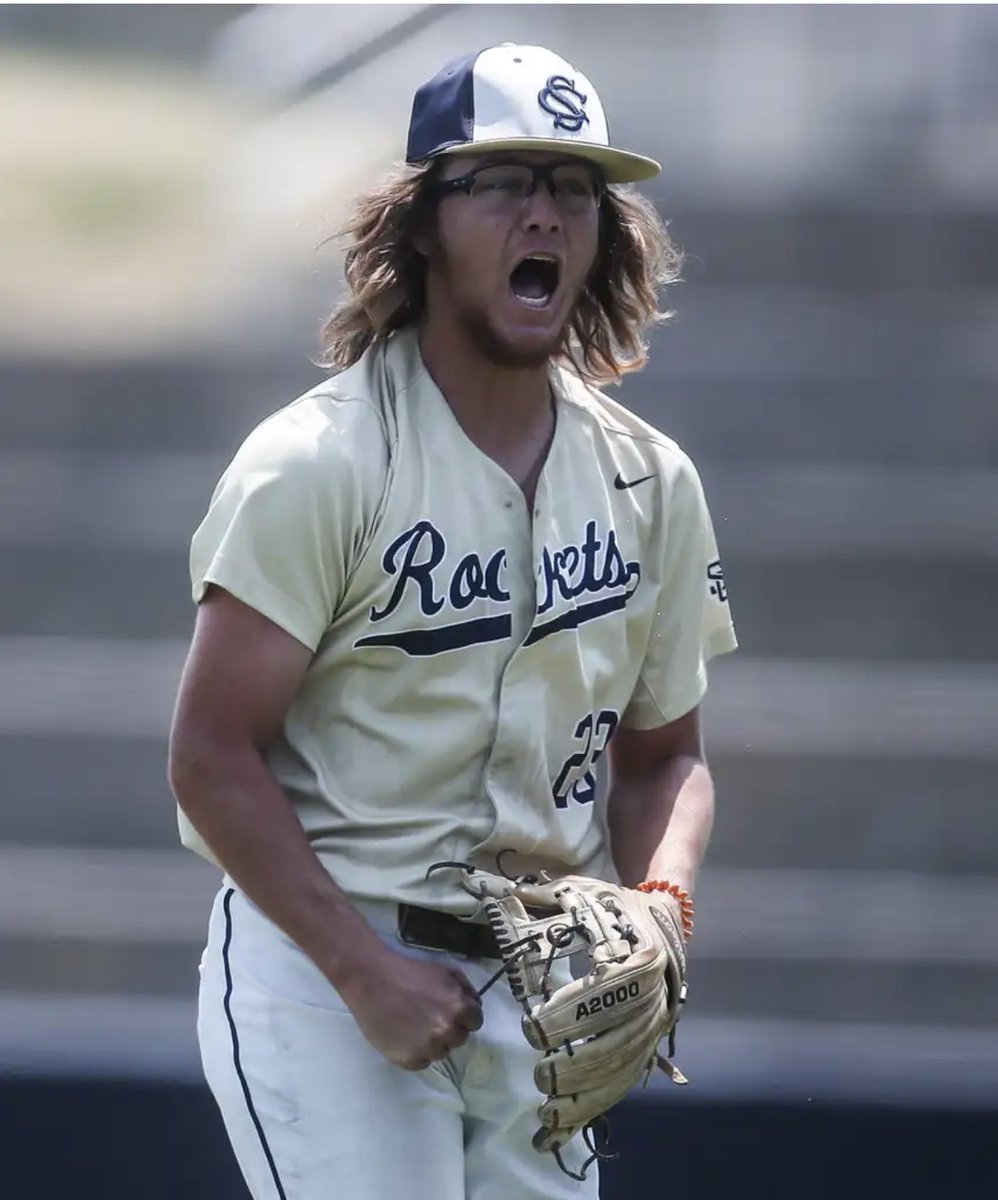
x,y
238,808
660,825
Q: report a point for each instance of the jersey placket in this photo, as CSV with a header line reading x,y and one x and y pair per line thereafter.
x,y
516,773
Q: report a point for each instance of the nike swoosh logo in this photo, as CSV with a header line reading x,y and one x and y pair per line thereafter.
x,y
622,486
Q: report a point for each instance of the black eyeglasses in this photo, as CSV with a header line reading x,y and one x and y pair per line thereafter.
x,y
576,188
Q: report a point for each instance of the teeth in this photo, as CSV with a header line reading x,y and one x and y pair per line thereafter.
x,y
530,296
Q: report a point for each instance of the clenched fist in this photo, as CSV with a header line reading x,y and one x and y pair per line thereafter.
x,y
414,1012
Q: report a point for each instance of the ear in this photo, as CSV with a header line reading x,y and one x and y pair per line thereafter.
x,y
424,236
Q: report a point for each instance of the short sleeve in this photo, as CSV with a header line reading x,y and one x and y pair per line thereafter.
x,y
280,526
692,622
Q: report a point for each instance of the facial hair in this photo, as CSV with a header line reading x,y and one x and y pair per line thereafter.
x,y
493,347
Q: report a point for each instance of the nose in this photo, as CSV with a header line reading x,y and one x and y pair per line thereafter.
x,y
540,210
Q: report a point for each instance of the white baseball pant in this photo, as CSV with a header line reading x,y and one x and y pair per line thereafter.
x,y
314,1112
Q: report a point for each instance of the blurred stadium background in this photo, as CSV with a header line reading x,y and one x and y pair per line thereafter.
x,y
168,175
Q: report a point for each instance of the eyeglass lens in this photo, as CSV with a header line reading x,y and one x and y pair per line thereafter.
x,y
573,188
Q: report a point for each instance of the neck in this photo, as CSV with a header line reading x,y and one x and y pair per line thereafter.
x,y
496,406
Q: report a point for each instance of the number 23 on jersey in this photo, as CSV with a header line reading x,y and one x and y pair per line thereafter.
x,y
576,780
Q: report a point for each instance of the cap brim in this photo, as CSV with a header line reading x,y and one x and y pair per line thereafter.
x,y
618,166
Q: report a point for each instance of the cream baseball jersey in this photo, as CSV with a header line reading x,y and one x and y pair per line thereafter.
x,y
471,658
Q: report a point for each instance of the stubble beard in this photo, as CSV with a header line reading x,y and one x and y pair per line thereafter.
x,y
477,326
501,351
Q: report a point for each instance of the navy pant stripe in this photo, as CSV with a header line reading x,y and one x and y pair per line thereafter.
x,y
227,1004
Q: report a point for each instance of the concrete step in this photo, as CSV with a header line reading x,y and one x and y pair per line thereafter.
x,y
903,420
758,372
912,994
846,708
815,416
145,1038
865,946
934,814
113,593
816,811
81,790
157,404
836,248
929,812
887,609
89,966
800,335
832,607
762,510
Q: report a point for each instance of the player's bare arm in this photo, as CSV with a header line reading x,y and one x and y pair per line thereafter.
x,y
660,807
240,677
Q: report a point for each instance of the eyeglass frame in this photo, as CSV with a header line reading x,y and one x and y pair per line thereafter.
x,y
541,172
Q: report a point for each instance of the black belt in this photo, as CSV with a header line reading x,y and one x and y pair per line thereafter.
x,y
433,930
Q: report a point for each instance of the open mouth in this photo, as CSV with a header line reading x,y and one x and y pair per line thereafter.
x,y
534,280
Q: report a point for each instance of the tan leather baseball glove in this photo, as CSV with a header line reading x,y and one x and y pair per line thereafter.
x,y
599,1034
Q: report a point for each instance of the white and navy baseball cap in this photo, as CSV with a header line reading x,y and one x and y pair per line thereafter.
x,y
517,98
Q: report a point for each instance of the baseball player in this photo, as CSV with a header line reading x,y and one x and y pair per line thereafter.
x,y
431,594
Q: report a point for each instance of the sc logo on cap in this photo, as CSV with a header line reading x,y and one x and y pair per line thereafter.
x,y
562,100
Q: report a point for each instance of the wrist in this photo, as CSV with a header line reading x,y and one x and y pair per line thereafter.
x,y
351,956
679,895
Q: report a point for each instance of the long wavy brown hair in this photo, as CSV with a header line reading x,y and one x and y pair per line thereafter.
x,y
386,276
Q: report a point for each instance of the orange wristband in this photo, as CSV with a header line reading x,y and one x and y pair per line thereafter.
x,y
674,890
